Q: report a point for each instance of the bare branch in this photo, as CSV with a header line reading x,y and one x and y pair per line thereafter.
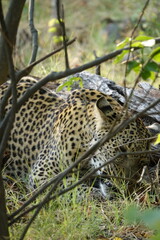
x,y
98,67
34,32
60,15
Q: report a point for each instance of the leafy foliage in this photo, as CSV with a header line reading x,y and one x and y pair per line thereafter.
x,y
147,66
149,217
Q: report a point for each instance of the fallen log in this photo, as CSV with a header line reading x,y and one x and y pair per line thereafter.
x,y
144,94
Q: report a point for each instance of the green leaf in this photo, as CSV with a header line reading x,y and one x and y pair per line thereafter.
x,y
69,83
66,84
157,57
120,57
152,75
152,66
155,54
137,44
123,43
133,65
149,70
146,41
145,74
143,38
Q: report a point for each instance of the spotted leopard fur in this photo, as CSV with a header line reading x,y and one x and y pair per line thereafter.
x,y
49,133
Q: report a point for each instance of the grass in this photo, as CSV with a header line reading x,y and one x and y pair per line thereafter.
x,y
67,219
71,222
88,219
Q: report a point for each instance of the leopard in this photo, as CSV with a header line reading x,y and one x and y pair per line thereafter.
x,y
51,132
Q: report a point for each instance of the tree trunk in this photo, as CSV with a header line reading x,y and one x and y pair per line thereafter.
x,y
4,233
12,21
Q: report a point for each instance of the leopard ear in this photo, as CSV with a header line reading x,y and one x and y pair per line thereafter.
x,y
104,106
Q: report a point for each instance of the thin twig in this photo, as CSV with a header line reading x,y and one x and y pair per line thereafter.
x,y
130,45
29,68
